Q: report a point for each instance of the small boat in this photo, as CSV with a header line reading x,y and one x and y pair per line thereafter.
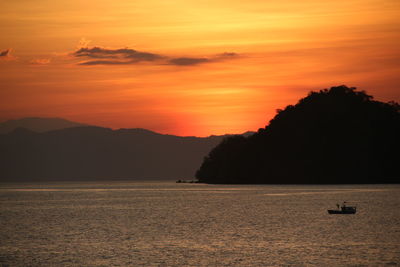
x,y
343,209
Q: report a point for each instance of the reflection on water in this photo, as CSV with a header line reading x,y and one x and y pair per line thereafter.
x,y
324,191
168,224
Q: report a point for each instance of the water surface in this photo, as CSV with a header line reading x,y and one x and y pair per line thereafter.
x,y
169,224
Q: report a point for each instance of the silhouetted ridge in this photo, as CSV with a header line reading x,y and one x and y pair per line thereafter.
x,y
339,135
39,125
96,153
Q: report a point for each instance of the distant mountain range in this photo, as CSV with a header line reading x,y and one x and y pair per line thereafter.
x,y
42,149
39,125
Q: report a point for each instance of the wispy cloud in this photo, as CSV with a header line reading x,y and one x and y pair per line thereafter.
x,y
122,55
105,62
6,55
125,56
83,42
187,61
40,61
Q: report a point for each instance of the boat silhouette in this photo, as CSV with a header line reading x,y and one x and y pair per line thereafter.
x,y
343,209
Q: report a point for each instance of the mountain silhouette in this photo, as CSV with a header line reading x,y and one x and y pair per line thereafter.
x,y
339,135
38,124
95,153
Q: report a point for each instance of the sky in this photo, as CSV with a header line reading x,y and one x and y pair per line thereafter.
x,y
190,67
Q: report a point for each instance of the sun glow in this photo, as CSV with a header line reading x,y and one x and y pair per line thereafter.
x,y
190,67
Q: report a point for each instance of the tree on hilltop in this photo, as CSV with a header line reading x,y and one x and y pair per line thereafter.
x,y
336,135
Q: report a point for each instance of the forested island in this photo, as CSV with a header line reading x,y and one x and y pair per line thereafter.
x,y
334,136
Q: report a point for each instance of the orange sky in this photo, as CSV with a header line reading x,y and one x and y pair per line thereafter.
x,y
190,67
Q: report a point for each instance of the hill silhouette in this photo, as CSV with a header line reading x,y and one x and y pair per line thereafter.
x,y
37,124
95,153
339,135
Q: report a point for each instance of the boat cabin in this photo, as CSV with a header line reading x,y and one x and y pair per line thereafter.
x,y
344,209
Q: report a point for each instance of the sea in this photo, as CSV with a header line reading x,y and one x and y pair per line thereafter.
x,y
163,223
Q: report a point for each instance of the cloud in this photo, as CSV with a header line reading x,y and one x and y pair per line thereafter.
x,y
105,62
6,55
114,56
228,54
186,61
40,61
124,56
83,42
